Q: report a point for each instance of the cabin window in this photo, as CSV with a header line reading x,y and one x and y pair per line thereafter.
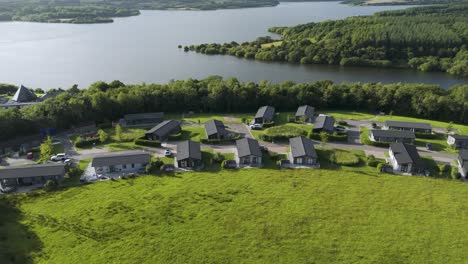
x,y
124,166
133,165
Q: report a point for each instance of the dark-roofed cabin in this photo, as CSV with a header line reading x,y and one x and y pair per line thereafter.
x,y
142,119
215,129
162,131
188,155
416,127
324,123
462,161
24,95
405,158
248,152
305,114
458,141
29,175
120,163
265,114
392,136
302,151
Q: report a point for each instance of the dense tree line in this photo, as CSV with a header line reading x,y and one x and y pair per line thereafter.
x,y
105,102
433,38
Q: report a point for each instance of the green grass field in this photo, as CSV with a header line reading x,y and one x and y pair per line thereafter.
x,y
244,216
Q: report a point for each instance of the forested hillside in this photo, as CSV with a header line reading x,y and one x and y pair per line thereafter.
x,y
101,11
105,102
432,38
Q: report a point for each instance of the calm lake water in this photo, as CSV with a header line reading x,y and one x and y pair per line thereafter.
x,y
144,49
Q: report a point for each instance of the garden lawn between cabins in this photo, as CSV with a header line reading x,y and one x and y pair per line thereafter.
x,y
242,216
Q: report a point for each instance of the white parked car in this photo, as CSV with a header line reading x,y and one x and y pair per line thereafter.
x,y
59,157
168,153
256,127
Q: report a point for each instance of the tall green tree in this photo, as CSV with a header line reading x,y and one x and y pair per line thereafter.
x,y
46,149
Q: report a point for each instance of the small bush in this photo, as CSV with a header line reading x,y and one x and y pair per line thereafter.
x,y
337,136
154,166
148,143
380,167
371,161
268,124
219,141
455,174
51,185
218,158
429,136
342,123
87,143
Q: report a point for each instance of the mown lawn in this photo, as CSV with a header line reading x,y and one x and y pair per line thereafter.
x,y
243,216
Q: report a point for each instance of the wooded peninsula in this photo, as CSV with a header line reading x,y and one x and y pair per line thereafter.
x,y
431,38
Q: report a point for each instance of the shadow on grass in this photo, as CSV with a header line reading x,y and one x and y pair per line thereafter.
x,y
17,241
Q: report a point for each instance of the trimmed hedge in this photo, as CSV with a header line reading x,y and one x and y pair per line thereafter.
x,y
337,136
430,136
87,143
269,124
219,141
148,143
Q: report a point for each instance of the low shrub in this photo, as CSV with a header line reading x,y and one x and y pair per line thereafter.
x,y
219,141
372,161
218,157
51,185
148,143
342,123
87,143
344,158
455,174
337,136
268,124
429,136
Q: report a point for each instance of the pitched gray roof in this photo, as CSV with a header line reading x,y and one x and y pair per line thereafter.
x,y
463,154
140,116
393,133
214,127
301,146
305,110
188,149
23,94
50,95
164,128
459,137
406,153
408,124
324,122
32,171
267,112
3,100
247,147
119,159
